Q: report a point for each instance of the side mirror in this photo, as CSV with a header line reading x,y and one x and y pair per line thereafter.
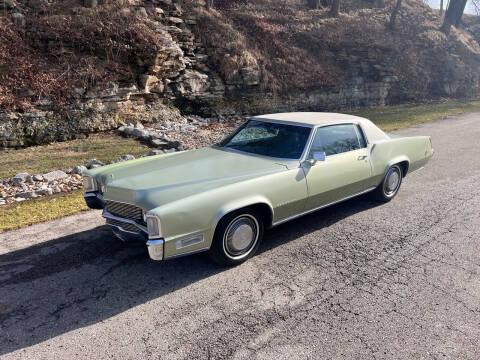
x,y
319,156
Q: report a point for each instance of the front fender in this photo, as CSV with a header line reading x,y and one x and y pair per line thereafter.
x,y
239,204
198,216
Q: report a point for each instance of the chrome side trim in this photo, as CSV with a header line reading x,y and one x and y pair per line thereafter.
x,y
322,207
107,215
189,241
187,253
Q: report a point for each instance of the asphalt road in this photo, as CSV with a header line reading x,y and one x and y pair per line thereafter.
x,y
356,281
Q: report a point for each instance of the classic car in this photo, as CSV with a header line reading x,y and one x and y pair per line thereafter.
x,y
272,169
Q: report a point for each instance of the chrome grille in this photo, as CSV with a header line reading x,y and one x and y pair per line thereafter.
x,y
124,226
126,211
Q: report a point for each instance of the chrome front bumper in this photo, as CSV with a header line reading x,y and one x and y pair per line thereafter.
x,y
122,228
155,249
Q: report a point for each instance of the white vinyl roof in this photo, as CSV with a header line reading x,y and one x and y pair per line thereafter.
x,y
323,118
312,118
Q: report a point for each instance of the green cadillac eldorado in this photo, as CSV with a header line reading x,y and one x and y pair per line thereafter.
x,y
272,169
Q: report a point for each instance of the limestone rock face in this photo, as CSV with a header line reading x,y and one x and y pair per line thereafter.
x,y
169,62
150,83
192,82
181,75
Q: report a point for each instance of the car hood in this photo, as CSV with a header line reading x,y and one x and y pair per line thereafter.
x,y
164,179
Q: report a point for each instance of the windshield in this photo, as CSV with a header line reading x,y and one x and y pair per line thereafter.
x,y
269,139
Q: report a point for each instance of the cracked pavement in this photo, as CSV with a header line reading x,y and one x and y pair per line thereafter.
x,y
357,280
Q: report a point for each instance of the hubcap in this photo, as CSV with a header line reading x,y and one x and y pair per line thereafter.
x,y
392,181
241,235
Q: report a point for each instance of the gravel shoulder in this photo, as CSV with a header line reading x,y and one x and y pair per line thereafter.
x,y
355,281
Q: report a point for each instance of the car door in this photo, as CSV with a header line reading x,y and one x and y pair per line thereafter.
x,y
346,169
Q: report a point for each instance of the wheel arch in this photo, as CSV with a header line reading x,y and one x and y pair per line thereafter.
x,y
402,161
259,204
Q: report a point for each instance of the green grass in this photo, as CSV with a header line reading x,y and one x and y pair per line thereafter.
x,y
39,210
396,117
65,155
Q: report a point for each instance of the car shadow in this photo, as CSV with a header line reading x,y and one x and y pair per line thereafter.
x,y
78,280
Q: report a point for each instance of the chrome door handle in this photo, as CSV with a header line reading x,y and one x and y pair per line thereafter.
x,y
362,157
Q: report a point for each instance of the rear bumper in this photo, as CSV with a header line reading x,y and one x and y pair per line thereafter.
x,y
94,200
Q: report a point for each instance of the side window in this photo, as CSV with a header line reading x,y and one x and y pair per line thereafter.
x,y
335,139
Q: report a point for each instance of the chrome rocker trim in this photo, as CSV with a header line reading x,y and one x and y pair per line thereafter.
x,y
322,207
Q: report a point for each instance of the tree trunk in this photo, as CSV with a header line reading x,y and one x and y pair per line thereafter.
x,y
441,8
335,9
393,17
453,15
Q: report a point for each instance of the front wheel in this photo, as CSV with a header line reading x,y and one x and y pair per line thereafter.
x,y
237,237
390,185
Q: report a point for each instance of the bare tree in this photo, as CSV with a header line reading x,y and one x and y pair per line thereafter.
x,y
393,16
453,15
335,9
441,8
476,5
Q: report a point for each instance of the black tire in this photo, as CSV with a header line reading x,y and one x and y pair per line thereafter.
x,y
389,186
225,249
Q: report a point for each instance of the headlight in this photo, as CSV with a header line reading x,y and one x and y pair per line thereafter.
x,y
89,183
153,227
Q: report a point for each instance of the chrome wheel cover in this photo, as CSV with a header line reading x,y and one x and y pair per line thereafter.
x,y
241,236
392,181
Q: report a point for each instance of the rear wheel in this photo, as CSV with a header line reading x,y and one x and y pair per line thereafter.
x,y
390,185
237,237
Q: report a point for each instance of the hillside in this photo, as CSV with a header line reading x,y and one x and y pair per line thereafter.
x,y
72,67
